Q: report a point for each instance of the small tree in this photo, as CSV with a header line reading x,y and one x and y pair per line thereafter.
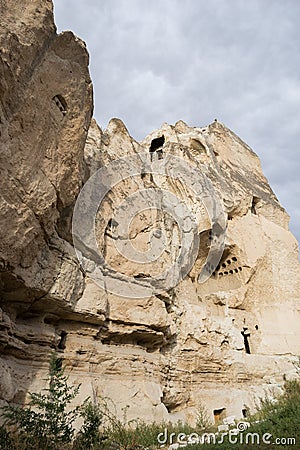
x,y
203,421
46,422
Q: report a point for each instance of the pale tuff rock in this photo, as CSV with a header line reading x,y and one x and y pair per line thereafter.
x,y
221,342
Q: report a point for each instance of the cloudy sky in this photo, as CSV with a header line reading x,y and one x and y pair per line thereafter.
x,y
196,60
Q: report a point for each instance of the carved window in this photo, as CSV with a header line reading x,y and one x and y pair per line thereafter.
x,y
254,204
156,146
246,335
61,104
245,413
219,415
62,342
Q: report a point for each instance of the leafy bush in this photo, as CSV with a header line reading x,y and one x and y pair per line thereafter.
x,y
6,442
89,436
47,422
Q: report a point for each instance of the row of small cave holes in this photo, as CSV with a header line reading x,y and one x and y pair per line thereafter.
x,y
226,272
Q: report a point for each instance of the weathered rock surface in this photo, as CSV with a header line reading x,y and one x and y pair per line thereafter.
x,y
221,342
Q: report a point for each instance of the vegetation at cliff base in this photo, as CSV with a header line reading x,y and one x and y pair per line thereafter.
x,y
48,423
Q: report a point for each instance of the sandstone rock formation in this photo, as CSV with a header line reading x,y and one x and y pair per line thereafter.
x,y
221,342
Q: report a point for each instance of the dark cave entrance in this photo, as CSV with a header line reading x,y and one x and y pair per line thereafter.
x,y
156,146
246,335
219,415
61,104
255,201
62,342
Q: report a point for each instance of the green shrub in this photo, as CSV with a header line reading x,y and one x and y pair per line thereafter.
x,y
47,422
89,436
6,442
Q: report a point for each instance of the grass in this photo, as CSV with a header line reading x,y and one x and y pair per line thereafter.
x,y
47,423
279,419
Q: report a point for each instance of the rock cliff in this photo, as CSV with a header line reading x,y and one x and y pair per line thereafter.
x,y
220,333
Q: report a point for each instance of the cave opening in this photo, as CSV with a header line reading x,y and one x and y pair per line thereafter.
x,y
156,146
219,415
112,224
255,201
245,413
246,335
62,342
61,104
111,227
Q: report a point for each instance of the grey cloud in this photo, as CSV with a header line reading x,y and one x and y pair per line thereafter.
x,y
164,60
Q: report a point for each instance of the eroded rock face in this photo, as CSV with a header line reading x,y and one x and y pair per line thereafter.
x,y
46,107
221,342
